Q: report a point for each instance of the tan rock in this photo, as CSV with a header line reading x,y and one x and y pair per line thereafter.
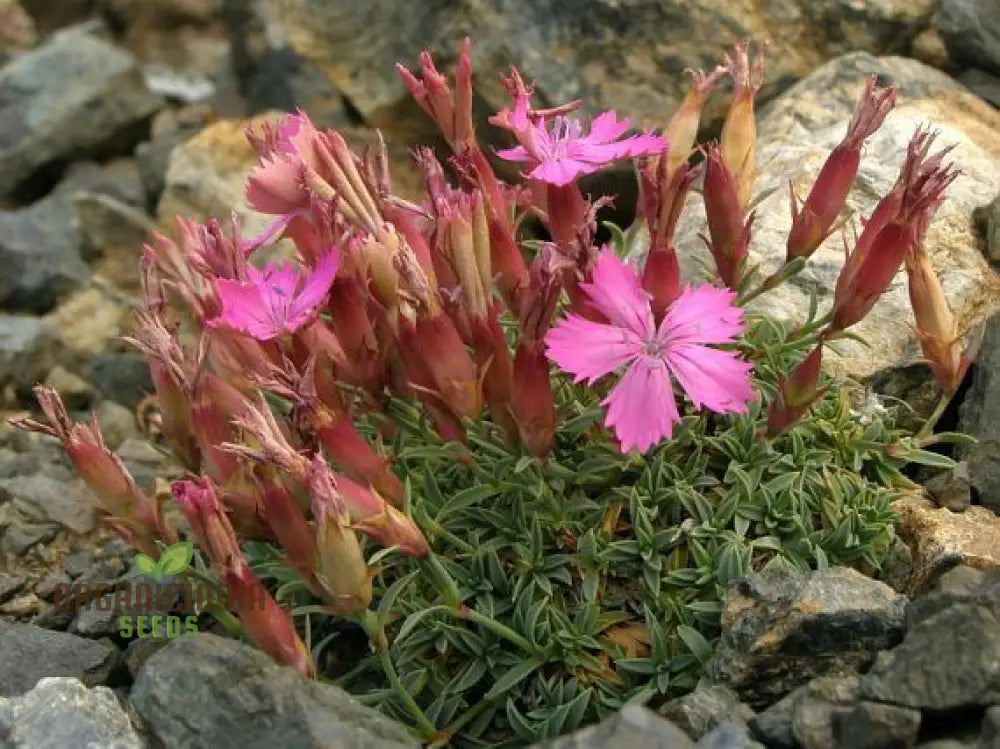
x,y
87,324
940,538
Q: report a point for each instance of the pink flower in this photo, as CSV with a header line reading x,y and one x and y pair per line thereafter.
x,y
641,407
276,300
559,152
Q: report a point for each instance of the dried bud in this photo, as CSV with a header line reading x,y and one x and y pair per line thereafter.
x,y
739,131
936,327
682,130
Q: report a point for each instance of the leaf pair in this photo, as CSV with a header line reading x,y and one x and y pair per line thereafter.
x,y
174,560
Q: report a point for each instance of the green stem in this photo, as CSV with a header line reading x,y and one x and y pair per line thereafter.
x,y
786,271
932,420
811,328
501,630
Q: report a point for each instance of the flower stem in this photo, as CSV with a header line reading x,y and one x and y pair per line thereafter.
x,y
786,271
932,420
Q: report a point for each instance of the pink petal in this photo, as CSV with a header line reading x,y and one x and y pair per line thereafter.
x,y
589,350
245,310
717,380
518,153
638,145
275,186
641,408
316,286
605,127
704,314
560,172
273,229
616,291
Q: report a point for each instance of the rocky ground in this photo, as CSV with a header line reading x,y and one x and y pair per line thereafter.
x,y
118,114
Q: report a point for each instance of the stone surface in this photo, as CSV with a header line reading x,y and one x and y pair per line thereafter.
x,y
704,709
76,392
729,736
17,30
982,84
781,629
72,96
210,691
62,712
870,725
979,416
30,653
108,224
951,489
632,727
123,378
628,56
27,350
941,539
796,133
87,324
117,423
44,499
818,707
987,221
971,29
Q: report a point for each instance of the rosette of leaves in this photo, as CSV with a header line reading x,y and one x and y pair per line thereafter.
x,y
558,591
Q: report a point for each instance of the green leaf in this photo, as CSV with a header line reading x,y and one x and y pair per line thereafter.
x,y
927,458
512,678
175,559
465,498
389,598
414,619
146,565
700,647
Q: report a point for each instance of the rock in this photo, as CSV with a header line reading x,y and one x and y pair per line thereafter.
x,y
211,691
870,725
21,535
982,84
613,56
88,324
631,727
44,499
141,650
991,727
78,563
930,49
73,96
897,570
117,423
62,712
797,132
818,707
728,736
75,392
780,629
987,221
704,709
773,726
979,416
122,377
30,653
948,661
27,347
47,586
286,81
964,585
971,29
107,223
941,539
17,30
153,157
951,489
10,585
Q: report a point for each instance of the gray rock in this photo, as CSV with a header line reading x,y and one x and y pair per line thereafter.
x,y
46,587
75,392
22,535
41,498
61,713
210,691
30,653
728,736
950,744
773,726
73,96
153,157
11,585
982,84
78,563
704,709
781,629
948,661
971,31
107,224
870,725
13,463
979,416
123,378
117,423
951,488
630,728
991,728
26,349
987,221
960,585
897,570
817,708
628,57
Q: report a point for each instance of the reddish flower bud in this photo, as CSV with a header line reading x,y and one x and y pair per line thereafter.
x,y
533,402
269,626
812,223
453,114
728,232
288,523
122,505
797,392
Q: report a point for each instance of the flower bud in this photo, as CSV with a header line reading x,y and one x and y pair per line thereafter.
x,y
729,234
936,327
739,131
797,392
533,402
682,130
288,523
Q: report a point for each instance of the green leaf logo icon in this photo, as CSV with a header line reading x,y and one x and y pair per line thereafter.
x,y
174,559
145,564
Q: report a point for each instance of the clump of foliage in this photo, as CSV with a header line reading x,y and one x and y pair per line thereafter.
x,y
565,456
